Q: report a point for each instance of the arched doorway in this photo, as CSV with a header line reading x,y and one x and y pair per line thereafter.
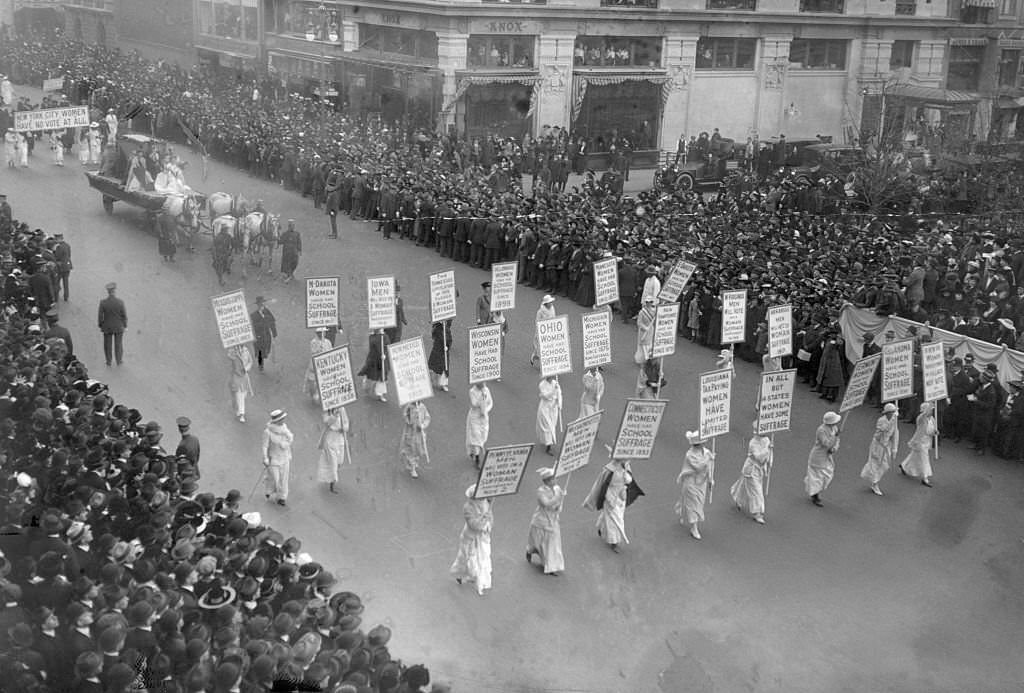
x,y
101,34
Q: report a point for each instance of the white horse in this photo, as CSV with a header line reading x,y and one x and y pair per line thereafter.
x,y
220,203
186,211
259,235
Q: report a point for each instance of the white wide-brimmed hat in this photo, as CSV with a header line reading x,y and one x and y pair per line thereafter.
x,y
694,438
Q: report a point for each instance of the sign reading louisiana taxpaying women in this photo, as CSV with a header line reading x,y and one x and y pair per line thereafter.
x,y
323,302
715,402
232,317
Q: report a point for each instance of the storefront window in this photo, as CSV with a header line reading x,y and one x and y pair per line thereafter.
x,y
501,51
500,109
726,53
1008,62
316,21
629,110
818,54
964,67
823,6
235,19
409,42
616,51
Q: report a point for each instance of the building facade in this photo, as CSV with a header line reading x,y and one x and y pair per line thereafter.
x,y
157,29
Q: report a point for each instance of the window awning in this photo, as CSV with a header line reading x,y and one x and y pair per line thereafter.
x,y
968,41
979,3
931,94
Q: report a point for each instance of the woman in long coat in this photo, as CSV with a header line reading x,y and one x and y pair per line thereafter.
x,y
549,411
608,496
375,368
545,538
884,443
830,370
473,561
415,421
918,463
748,491
332,447
593,390
439,360
821,465
478,420
696,477
546,311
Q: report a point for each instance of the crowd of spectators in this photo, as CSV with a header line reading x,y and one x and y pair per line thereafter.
x,y
118,571
783,241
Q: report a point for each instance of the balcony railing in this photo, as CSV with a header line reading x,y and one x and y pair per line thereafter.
x,y
906,9
737,5
644,4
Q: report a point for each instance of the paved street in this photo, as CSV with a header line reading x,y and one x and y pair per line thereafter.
x,y
916,591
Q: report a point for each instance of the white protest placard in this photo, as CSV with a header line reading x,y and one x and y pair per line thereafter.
x,y
933,372
897,370
334,379
323,302
503,285
232,317
597,338
409,364
380,302
776,404
53,84
860,382
715,402
666,325
555,350
780,331
442,296
606,281
578,443
638,429
484,353
676,281
501,472
52,119
734,316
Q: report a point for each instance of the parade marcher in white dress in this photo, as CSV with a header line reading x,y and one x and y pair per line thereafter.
x,y
821,465
318,345
696,477
11,148
6,91
478,420
545,538
83,145
609,495
332,447
546,310
918,463
748,491
239,382
56,138
415,421
473,561
652,286
884,444
277,456
593,390
95,144
23,149
549,412
644,333
111,119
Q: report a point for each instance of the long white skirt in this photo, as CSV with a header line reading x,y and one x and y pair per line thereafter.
x,y
690,506
818,477
748,492
918,462
547,543
327,465
611,521
473,561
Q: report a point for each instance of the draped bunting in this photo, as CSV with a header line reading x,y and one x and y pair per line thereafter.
x,y
581,82
854,322
466,81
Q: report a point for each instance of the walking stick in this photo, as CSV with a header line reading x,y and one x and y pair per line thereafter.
x,y
348,449
711,474
257,484
423,438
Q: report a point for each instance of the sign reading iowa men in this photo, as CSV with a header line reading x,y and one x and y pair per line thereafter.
x,y
442,296
380,302
638,429
323,302
409,364
555,353
734,316
677,280
606,282
502,470
232,317
503,285
334,379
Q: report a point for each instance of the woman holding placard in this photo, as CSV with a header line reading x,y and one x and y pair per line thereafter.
x,y
478,420
748,491
473,561
696,477
610,495
884,444
918,463
593,390
821,465
318,345
549,411
375,369
545,532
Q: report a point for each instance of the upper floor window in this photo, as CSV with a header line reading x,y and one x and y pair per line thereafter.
x,y
818,54
726,53
902,54
501,51
965,67
905,8
1009,60
629,3
1008,8
826,6
387,39
741,5
617,51
229,19
977,11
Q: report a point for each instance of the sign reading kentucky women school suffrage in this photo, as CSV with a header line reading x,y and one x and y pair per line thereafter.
x,y
232,317
334,378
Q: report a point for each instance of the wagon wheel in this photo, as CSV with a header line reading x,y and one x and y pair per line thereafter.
x,y
686,181
108,204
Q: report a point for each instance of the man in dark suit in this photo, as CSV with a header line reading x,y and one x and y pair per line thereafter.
x,y
113,320
58,331
189,444
264,327
40,284
332,190
984,403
